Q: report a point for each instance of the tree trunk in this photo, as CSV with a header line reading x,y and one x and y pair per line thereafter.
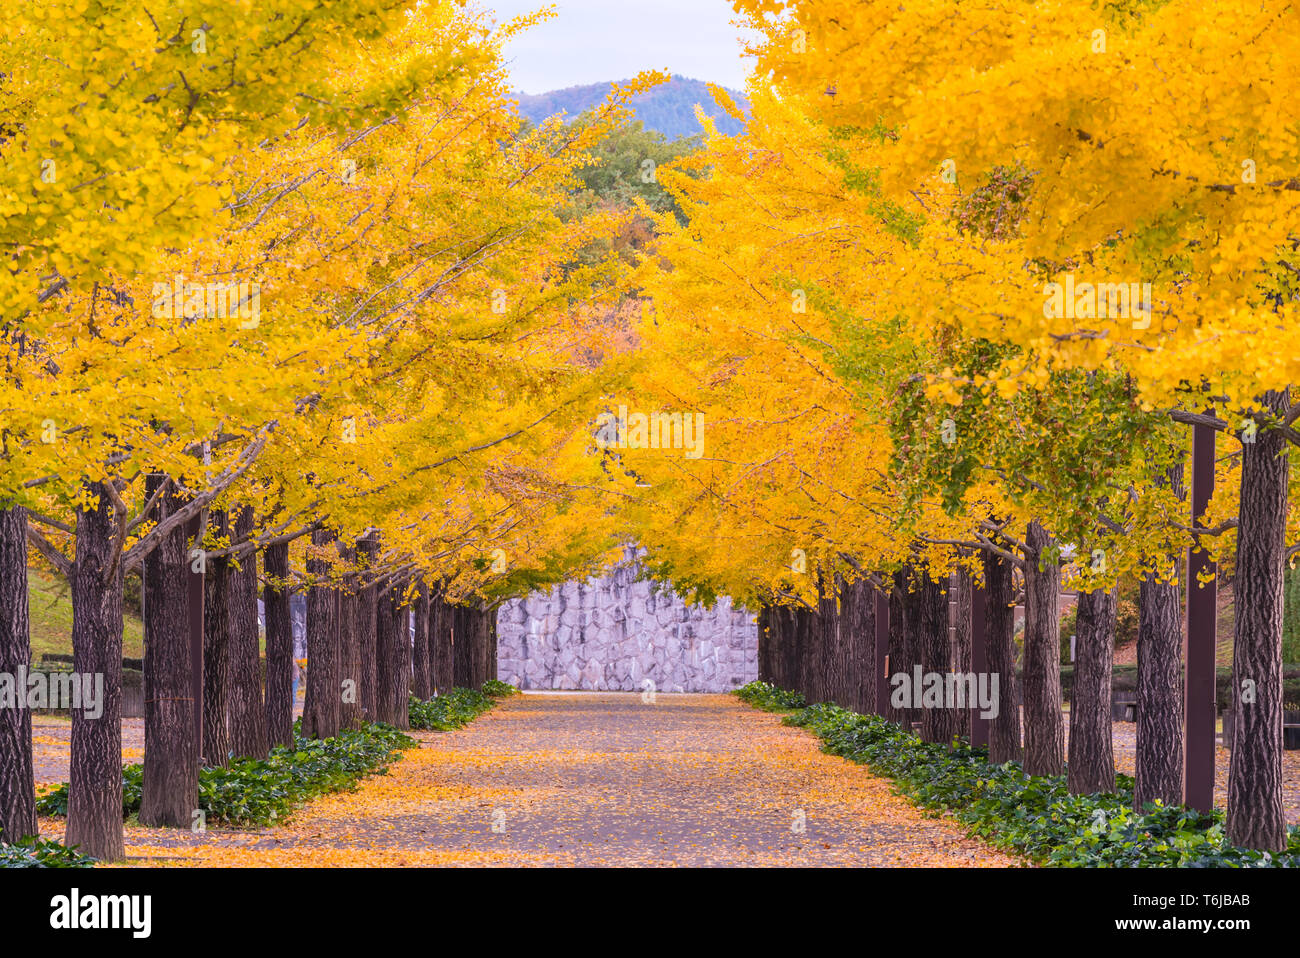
x,y
789,646
247,709
938,722
95,780
440,630
1092,763
432,636
402,694
462,648
830,657
480,647
17,788
1159,757
394,684
171,756
810,650
493,668
385,616
862,625
321,710
852,645
367,626
1044,722
810,659
898,629
350,602
1004,728
216,650
1255,810
776,651
912,645
765,639
279,645
422,668
961,641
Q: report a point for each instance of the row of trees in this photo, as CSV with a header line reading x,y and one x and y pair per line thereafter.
x,y
294,301
864,296
868,305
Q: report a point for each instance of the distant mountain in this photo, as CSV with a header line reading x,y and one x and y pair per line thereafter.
x,y
669,108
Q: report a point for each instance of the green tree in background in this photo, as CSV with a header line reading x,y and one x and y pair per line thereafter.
x,y
626,169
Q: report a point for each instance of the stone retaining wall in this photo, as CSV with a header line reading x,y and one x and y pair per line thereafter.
x,y
614,633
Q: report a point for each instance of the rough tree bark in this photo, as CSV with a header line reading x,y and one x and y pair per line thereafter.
x,y
961,639
350,653
938,723
849,689
367,625
789,646
480,626
402,695
765,641
809,653
279,645
321,710
810,658
1004,728
216,650
1092,762
95,780
392,633
1255,811
1159,757
898,629
440,627
247,709
860,621
912,643
830,660
423,673
17,788
462,648
1044,722
171,756
431,639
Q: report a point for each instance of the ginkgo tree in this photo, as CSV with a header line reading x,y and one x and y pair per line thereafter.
x,y
891,160
310,359
1158,161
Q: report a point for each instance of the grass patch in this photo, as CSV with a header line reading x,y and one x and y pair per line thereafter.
x,y
1035,816
49,603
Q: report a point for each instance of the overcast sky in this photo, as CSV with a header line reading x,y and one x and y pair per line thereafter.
x,y
591,41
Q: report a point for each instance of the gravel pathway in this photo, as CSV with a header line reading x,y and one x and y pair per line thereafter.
x,y
599,779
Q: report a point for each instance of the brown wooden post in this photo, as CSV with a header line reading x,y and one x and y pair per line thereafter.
x,y
882,651
979,657
195,597
1198,649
